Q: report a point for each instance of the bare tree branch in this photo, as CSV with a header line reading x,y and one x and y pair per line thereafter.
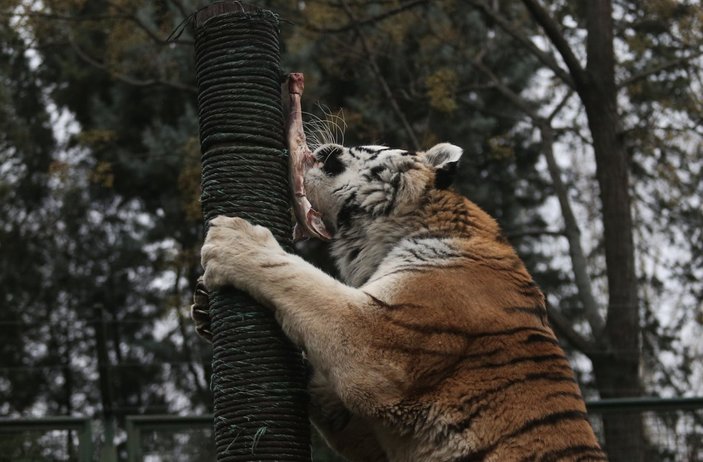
x,y
557,109
573,234
63,17
503,89
563,327
355,24
131,16
545,58
551,29
572,231
382,81
559,131
534,233
513,116
657,69
180,7
123,16
125,78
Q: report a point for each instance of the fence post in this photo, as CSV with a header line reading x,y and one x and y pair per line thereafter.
x,y
85,442
134,441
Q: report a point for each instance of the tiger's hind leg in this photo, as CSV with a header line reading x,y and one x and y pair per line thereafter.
x,y
200,312
346,433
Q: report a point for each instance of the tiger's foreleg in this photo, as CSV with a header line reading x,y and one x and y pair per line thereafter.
x,y
326,318
346,433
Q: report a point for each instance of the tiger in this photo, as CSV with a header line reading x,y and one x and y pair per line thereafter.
x,y
434,343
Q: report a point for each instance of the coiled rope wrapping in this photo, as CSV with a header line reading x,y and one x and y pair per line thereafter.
x,y
258,377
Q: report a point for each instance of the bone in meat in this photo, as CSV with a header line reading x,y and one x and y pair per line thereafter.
x,y
309,221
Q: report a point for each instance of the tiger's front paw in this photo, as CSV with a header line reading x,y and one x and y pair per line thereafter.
x,y
233,251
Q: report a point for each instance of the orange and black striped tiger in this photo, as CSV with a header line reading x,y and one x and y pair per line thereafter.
x,y
436,346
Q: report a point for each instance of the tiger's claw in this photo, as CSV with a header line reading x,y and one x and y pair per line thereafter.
x,y
200,311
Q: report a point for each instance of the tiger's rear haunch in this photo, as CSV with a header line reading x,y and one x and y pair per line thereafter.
x,y
437,348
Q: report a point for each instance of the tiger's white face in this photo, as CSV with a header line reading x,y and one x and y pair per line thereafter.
x,y
375,180
366,195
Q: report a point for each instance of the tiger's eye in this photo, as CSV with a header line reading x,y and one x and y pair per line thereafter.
x,y
330,156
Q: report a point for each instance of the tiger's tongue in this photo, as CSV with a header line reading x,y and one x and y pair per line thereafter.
x,y
308,220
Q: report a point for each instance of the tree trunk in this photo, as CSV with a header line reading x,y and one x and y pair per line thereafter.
x,y
617,371
624,435
107,453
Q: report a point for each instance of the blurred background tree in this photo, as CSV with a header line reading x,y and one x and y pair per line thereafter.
x,y
581,124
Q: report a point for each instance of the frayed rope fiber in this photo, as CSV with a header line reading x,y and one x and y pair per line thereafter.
x,y
259,378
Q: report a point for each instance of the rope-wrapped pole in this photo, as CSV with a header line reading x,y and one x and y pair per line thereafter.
x,y
258,379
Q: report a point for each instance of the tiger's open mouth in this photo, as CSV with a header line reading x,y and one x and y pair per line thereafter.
x,y
308,220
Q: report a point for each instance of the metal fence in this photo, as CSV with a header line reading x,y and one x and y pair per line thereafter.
x,y
156,438
673,430
673,427
50,438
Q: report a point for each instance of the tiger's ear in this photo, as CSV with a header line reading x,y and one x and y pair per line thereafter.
x,y
444,157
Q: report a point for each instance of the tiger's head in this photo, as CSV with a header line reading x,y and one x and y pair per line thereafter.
x,y
371,197
348,183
